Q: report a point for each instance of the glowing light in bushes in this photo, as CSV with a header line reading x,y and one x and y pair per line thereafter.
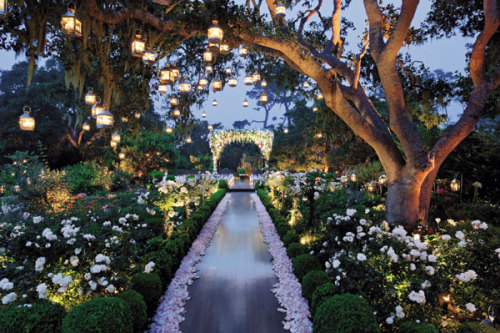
x,y
382,179
455,185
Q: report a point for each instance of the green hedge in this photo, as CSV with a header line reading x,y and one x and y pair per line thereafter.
x,y
295,249
223,184
311,281
414,327
101,314
41,317
305,263
137,309
322,293
474,327
345,313
149,286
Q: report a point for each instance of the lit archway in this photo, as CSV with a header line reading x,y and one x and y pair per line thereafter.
x,y
220,139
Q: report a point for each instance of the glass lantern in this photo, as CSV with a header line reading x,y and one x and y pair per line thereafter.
x,y
255,77
208,56
224,48
188,139
280,9
285,130
217,84
354,178
138,45
104,119
121,155
232,81
455,185
96,109
229,71
382,179
124,119
184,86
113,144
175,72
319,96
90,97
263,83
86,127
210,127
248,80
174,101
162,88
315,109
137,115
263,98
166,75
306,84
203,82
2,189
17,188
169,130
70,23
3,11
115,137
176,112
149,57
343,179
370,187
26,121
209,69
203,115
243,51
215,35
245,103
214,102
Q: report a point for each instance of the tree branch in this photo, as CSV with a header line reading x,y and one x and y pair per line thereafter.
x,y
401,29
357,69
375,21
304,19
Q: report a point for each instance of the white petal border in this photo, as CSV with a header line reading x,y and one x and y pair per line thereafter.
x,y
169,314
288,290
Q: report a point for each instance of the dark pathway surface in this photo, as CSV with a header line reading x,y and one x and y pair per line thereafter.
x,y
233,294
241,184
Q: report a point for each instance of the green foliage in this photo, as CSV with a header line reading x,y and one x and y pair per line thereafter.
x,y
223,184
345,313
303,264
241,171
414,327
149,286
475,327
233,154
121,180
322,293
102,314
311,281
137,309
295,249
290,237
369,172
85,178
41,317
156,176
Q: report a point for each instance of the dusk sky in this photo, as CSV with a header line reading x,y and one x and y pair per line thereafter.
x,y
445,54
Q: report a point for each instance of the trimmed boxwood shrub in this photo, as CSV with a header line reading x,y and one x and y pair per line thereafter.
x,y
323,292
311,281
101,314
295,249
149,286
303,264
137,309
474,327
290,237
41,317
223,184
414,327
345,313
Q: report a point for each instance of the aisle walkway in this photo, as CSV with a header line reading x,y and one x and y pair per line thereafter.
x,y
233,294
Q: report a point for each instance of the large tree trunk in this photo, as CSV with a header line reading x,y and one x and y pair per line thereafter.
x,y
403,200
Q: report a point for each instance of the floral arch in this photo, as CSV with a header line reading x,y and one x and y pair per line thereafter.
x,y
220,139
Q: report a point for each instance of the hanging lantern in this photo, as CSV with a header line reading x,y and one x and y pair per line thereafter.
x,y
121,155
175,72
137,115
162,88
263,83
209,69
455,185
203,82
245,103
243,51
228,71
124,120
280,9
86,127
215,35
382,179
315,109
169,130
138,45
255,77
174,101
354,178
28,181
26,122
113,144
198,87
184,85
210,127
232,81
319,95
90,97
70,23
319,135
285,130
224,48
17,188
263,98
166,76
177,112
96,109
370,187
2,189
149,57
3,12
217,84
115,137
306,84
203,115
343,179
104,119
188,139
208,56
214,102
248,80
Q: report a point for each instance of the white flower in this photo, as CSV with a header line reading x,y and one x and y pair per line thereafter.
x,y
391,253
399,232
87,276
431,258
350,211
48,234
446,237
5,284
389,320
349,237
37,219
62,280
93,285
316,195
149,267
471,307
418,297
110,288
367,210
9,298
429,270
141,201
412,267
94,269
460,235
103,281
426,284
399,312
184,190
328,265
462,243
336,263
361,257
39,263
498,252
467,276
102,258
74,261
42,290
